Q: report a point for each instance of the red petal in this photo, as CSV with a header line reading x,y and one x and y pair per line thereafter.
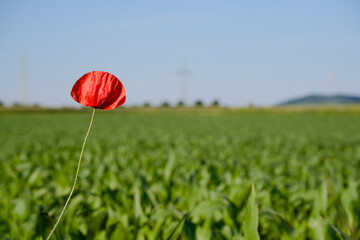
x,y
99,90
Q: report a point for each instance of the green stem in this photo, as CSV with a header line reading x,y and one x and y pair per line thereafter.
x,y
76,176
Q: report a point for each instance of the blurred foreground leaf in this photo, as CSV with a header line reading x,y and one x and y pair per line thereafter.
x,y
252,217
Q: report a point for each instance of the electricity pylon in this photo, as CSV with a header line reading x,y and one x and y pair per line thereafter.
x,y
23,81
184,73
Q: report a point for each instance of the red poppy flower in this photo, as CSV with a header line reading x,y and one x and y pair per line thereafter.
x,y
99,89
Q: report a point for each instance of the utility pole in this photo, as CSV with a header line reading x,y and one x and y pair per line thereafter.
x,y
184,73
23,80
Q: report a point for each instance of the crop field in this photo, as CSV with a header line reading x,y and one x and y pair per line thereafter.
x,y
181,175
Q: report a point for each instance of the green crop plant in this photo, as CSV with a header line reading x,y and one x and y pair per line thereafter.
x,y
181,175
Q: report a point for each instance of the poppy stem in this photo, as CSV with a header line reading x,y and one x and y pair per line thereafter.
x,y
76,177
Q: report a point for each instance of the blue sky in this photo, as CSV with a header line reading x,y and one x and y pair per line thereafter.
x,y
238,52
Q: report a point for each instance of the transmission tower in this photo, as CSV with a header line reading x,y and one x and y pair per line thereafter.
x,y
23,80
184,73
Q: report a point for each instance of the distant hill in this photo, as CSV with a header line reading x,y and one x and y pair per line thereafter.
x,y
320,99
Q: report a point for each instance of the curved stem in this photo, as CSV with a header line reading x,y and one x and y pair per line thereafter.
x,y
76,177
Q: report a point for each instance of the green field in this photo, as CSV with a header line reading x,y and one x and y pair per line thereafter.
x,y
181,175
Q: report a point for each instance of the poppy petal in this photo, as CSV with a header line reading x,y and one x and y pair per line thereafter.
x,y
99,89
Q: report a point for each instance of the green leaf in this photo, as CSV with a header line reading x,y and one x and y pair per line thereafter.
x,y
343,235
169,167
189,230
137,202
174,235
318,228
252,217
203,234
100,235
207,207
164,213
20,208
120,233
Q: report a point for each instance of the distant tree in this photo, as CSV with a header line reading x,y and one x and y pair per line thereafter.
x,y
165,104
181,104
1,104
198,103
215,103
146,105
16,104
